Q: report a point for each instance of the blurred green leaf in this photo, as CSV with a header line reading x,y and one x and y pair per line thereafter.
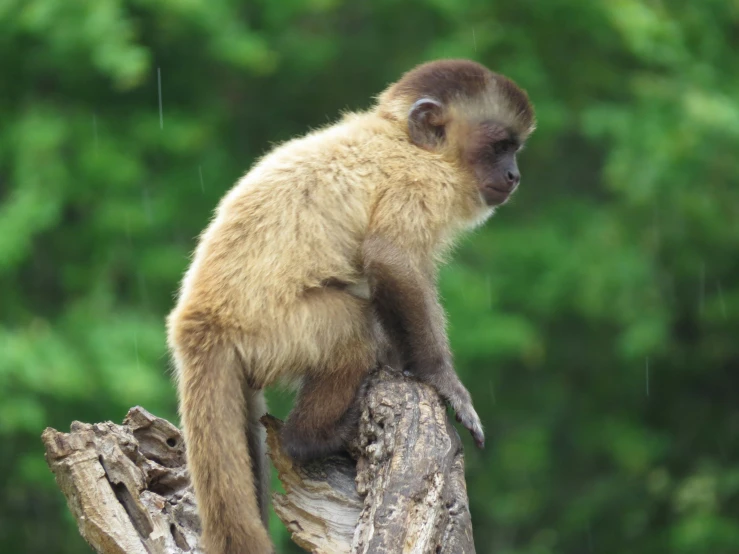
x,y
594,319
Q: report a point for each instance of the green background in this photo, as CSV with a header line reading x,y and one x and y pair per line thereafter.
x,y
594,319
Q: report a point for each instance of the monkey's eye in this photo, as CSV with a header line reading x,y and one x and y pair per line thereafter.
x,y
501,147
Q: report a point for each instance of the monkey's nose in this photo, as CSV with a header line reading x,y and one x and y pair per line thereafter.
x,y
513,177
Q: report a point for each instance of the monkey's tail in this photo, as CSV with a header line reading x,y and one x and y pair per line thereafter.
x,y
213,404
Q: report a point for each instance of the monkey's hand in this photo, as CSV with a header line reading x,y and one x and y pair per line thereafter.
x,y
451,389
466,415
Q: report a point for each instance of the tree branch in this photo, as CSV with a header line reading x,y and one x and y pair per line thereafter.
x,y
127,485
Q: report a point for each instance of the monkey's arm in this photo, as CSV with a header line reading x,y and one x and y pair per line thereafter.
x,y
404,296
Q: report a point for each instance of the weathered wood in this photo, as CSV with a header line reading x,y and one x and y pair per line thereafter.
x,y
126,485
321,505
128,489
410,472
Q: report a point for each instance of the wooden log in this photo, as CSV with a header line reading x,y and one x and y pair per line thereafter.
x,y
402,490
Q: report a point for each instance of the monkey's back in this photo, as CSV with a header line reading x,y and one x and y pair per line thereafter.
x,y
295,220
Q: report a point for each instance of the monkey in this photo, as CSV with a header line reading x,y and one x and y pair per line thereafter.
x,y
321,262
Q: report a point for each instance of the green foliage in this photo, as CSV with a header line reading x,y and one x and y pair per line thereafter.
x,y
594,319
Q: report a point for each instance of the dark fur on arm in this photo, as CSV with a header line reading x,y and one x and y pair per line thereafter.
x,y
405,299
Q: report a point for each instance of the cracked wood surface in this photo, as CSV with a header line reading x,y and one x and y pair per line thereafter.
x,y
128,489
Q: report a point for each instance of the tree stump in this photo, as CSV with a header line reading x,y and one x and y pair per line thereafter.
x,y
403,489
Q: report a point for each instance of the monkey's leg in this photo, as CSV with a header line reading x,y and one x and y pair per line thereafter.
x,y
325,414
407,304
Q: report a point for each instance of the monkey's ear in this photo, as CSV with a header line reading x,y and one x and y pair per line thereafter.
x,y
426,123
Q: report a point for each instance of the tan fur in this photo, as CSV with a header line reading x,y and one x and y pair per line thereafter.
x,y
254,309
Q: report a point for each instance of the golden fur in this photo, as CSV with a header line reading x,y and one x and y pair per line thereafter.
x,y
255,308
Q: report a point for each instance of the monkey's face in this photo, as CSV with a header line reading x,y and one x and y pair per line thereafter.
x,y
470,133
491,154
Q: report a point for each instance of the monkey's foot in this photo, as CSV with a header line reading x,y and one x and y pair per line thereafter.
x,y
472,423
303,446
461,402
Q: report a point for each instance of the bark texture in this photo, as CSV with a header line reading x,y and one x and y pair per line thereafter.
x,y
403,489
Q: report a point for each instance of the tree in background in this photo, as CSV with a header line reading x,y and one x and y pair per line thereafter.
x,y
594,319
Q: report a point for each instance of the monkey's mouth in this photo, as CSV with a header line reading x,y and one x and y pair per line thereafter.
x,y
497,195
501,190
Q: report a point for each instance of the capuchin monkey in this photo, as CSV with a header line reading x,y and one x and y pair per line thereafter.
x,y
320,263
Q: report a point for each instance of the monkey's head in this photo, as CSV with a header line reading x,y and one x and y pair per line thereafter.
x,y
468,114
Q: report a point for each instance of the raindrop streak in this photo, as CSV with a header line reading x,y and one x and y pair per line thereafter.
x,y
721,450
95,131
136,348
159,80
474,39
657,233
488,292
147,204
590,539
702,292
143,289
202,185
128,232
492,391
721,299
646,374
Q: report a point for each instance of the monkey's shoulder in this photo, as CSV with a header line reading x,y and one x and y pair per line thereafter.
x,y
352,157
357,142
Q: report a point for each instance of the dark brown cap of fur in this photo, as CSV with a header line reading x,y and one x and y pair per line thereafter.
x,y
447,80
444,80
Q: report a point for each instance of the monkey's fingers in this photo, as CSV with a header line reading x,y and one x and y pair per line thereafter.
x,y
460,401
466,415
475,429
